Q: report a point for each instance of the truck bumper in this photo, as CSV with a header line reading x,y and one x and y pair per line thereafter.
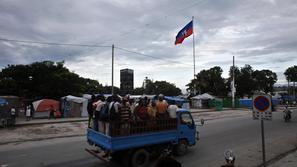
x,y
100,155
197,136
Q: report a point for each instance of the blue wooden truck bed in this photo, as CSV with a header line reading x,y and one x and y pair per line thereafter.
x,y
127,142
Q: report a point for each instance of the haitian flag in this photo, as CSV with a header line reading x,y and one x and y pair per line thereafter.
x,y
184,33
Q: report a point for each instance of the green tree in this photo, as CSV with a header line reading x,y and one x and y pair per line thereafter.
x,y
291,76
168,89
107,90
158,87
92,86
264,80
210,81
245,82
44,79
138,91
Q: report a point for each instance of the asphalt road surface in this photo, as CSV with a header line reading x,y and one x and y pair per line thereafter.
x,y
241,134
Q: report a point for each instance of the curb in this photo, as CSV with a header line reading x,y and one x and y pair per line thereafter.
x,y
278,157
39,139
52,122
82,120
224,109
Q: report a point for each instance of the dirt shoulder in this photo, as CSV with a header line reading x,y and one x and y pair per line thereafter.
x,y
42,131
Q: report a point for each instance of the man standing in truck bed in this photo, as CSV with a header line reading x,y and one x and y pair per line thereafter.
x,y
161,106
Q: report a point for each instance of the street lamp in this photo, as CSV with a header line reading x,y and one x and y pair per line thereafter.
x,y
30,79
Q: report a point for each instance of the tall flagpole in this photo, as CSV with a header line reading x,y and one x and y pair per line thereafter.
x,y
112,66
194,55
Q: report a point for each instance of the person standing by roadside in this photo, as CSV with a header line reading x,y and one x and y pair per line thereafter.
x,y
90,109
12,115
52,112
28,113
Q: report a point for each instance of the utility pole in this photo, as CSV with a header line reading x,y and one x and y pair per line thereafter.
x,y
194,59
112,64
233,85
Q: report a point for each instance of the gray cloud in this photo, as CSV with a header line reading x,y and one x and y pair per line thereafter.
x,y
261,33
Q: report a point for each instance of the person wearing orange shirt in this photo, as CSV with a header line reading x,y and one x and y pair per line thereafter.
x,y
161,106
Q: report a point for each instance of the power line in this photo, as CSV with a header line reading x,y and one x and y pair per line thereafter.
x,y
87,45
54,43
150,56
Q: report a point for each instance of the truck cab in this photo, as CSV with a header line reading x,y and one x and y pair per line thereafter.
x,y
186,126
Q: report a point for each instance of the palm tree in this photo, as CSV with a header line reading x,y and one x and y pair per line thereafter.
x,y
291,76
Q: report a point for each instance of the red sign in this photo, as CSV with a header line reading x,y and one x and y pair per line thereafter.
x,y
261,103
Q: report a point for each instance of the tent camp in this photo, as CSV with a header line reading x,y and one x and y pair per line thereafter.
x,y
200,101
42,107
73,106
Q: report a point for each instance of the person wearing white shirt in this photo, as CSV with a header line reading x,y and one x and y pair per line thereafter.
x,y
172,108
28,113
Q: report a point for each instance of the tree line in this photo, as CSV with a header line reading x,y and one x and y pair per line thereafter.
x,y
49,79
247,81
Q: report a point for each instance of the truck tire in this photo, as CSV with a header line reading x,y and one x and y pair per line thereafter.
x,y
140,158
182,147
126,158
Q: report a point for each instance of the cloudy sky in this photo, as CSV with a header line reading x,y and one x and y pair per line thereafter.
x,y
261,33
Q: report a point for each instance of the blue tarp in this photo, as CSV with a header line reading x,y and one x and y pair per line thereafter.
x,y
177,100
249,102
288,98
2,101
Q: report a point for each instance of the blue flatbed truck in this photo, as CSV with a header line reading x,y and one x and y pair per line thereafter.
x,y
134,144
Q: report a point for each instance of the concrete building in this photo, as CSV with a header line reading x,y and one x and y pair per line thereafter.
x,y
127,81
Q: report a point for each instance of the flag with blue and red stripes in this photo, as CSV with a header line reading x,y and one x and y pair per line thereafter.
x,y
184,33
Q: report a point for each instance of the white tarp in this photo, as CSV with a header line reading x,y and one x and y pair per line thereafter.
x,y
80,100
197,100
204,96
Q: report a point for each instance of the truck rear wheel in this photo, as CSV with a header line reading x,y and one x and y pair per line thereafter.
x,y
140,158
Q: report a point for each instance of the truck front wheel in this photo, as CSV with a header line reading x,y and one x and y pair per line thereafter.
x,y
140,158
181,148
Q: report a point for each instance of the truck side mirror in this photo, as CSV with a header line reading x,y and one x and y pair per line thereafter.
x,y
202,122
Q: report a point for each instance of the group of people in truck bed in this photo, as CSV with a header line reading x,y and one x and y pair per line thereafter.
x,y
124,111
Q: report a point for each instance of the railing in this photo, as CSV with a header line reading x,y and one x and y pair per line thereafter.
x,y
129,128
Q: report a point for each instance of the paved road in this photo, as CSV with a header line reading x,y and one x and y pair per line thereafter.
x,y
242,134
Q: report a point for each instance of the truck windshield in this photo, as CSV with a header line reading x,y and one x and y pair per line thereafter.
x,y
186,119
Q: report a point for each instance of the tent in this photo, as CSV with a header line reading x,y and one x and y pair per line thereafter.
x,y
199,101
42,107
74,106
